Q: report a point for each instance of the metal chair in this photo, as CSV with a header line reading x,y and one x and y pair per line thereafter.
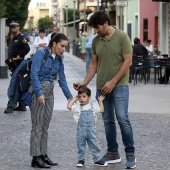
x,y
151,63
135,69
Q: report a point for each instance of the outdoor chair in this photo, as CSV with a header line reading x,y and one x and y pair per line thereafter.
x,y
151,63
136,69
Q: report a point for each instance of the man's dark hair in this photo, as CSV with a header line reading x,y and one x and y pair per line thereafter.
x,y
41,30
98,18
148,41
136,41
84,90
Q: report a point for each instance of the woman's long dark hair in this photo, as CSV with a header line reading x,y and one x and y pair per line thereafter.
x,y
57,37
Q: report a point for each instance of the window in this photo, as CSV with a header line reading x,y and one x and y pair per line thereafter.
x,y
145,29
121,23
129,30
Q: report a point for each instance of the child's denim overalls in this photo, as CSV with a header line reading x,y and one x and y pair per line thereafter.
x,y
86,132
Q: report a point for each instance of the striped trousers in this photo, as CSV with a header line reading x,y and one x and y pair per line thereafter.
x,y
41,117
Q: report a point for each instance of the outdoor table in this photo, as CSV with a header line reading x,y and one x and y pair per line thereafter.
x,y
148,58
162,59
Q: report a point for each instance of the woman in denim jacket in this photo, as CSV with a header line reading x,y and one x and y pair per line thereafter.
x,y
43,74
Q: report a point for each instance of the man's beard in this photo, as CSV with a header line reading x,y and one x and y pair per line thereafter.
x,y
14,33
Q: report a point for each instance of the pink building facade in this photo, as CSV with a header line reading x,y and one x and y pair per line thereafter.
x,y
149,21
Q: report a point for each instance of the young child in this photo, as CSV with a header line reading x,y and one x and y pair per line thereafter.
x,y
84,114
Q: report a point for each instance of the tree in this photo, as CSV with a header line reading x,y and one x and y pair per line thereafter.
x,y
17,10
3,8
71,15
45,23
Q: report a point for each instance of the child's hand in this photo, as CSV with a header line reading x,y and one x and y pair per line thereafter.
x,y
75,98
101,98
71,102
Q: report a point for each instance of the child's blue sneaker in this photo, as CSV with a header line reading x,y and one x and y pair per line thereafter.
x,y
100,163
80,163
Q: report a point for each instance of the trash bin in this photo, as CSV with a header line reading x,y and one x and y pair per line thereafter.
x,y
68,47
76,48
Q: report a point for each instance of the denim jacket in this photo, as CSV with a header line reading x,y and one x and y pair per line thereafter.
x,y
46,71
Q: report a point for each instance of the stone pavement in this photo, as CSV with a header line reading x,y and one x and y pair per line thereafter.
x,y
151,134
148,111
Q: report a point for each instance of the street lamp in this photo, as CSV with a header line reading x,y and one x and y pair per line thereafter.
x,y
104,4
59,19
97,5
74,18
67,19
74,29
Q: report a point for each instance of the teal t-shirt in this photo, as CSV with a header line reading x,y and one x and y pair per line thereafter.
x,y
110,57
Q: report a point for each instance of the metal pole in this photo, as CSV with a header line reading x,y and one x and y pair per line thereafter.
x,y
59,20
67,19
97,5
84,14
74,19
63,14
121,18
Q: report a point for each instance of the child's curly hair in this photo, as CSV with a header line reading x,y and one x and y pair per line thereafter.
x,y
84,90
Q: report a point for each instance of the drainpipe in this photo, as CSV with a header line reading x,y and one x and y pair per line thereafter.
x,y
121,17
160,27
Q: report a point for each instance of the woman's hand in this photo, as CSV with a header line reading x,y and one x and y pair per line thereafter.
x,y
41,99
69,100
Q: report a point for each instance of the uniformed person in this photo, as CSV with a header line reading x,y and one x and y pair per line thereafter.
x,y
19,48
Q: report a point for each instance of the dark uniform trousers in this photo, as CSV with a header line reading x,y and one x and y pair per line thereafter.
x,y
41,117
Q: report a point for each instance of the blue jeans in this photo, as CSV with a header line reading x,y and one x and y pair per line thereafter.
x,y
116,104
86,133
88,57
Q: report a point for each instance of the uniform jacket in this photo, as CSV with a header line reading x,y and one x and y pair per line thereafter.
x,y
19,47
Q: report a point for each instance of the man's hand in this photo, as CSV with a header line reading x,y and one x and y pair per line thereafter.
x,y
78,85
42,44
108,87
17,58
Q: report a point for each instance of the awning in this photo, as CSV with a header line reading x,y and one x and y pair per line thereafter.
x,y
161,0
